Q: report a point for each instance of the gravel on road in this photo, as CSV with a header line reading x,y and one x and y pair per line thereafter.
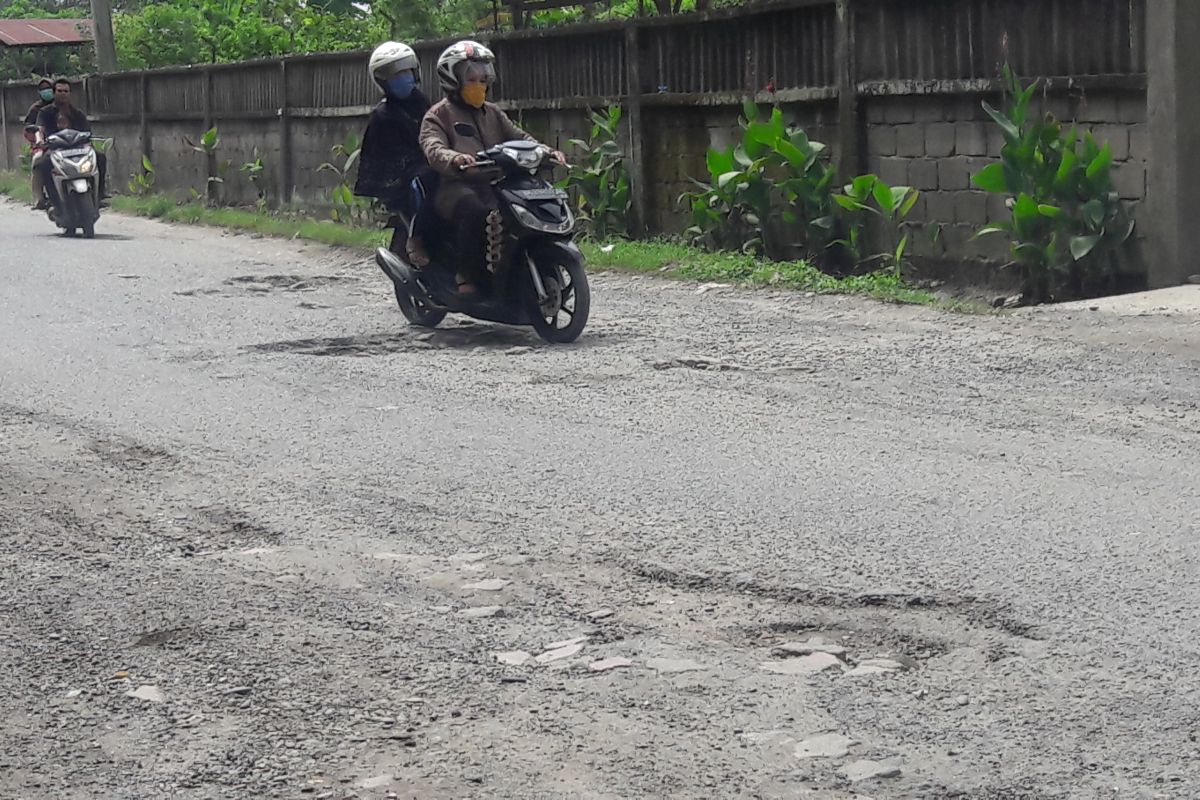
x,y
260,539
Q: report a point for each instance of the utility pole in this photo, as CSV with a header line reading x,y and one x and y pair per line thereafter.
x,y
106,48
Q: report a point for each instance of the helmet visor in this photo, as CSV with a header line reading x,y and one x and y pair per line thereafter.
x,y
385,72
482,71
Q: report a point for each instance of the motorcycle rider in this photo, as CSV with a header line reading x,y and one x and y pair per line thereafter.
x,y
45,98
59,116
454,130
391,155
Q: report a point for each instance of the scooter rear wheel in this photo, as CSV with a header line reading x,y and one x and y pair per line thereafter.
x,y
417,312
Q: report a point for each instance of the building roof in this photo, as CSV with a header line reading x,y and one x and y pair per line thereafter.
x,y
44,32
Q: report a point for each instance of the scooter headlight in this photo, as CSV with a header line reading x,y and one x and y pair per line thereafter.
x,y
526,159
86,165
528,219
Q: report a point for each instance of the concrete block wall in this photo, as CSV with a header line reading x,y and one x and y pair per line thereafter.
x,y
125,153
936,143
678,140
177,168
312,140
555,127
238,141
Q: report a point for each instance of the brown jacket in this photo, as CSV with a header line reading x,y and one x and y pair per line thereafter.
x,y
450,129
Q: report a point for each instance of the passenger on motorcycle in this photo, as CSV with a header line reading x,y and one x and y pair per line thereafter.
x,y
45,98
453,131
391,155
59,116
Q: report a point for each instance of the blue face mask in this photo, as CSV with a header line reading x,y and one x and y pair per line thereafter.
x,y
401,86
46,94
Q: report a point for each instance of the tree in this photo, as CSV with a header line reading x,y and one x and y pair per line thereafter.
x,y
102,26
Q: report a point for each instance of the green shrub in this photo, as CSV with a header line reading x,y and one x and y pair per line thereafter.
x,y
1068,227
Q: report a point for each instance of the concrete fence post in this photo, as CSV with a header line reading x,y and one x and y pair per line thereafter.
x,y
637,131
211,189
4,127
851,138
143,118
1173,112
287,166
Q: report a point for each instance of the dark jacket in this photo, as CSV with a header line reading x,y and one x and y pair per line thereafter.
x,y
391,150
452,127
48,120
31,117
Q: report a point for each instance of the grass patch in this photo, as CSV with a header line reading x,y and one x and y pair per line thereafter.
x,y
676,259
659,257
284,225
16,186
288,226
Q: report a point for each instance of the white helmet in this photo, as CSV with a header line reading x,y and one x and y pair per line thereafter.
x,y
389,59
459,53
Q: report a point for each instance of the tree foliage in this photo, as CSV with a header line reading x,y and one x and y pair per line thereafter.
x,y
159,33
189,32
42,9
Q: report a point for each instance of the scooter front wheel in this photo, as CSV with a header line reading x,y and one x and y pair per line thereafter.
x,y
84,209
562,315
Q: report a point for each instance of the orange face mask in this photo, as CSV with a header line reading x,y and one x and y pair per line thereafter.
x,y
473,94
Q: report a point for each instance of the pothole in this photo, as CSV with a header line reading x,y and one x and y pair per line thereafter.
x,y
353,346
156,638
971,610
130,456
504,340
220,526
706,364
269,283
864,637
289,283
1022,792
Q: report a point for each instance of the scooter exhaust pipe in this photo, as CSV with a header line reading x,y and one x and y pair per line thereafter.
x,y
393,266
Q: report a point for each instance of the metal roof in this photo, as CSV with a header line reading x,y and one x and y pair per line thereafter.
x,y
44,32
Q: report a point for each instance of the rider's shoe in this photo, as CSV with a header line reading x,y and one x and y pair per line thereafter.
x,y
418,256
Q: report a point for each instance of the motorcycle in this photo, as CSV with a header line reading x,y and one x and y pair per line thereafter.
x,y
537,274
74,171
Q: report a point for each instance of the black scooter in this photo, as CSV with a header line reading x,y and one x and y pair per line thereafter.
x,y
538,278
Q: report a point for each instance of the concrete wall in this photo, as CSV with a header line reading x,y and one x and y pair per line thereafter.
x,y
936,144
933,142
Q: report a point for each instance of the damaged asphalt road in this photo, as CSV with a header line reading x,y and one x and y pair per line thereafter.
x,y
261,539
